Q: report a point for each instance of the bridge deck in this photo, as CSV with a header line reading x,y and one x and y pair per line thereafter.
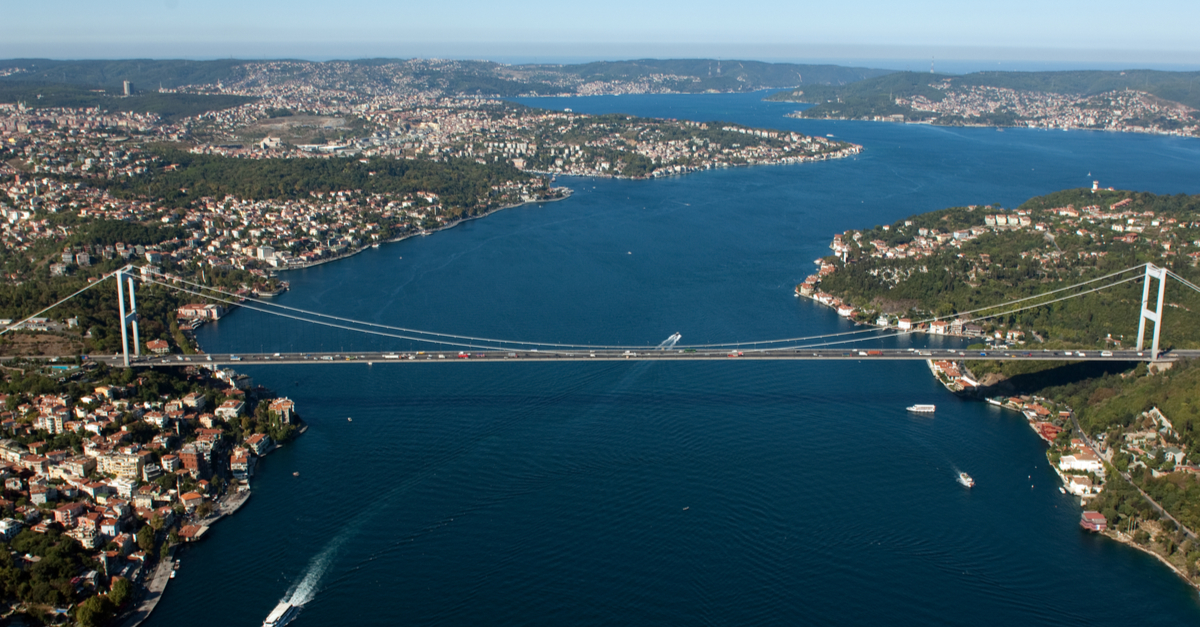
x,y
648,354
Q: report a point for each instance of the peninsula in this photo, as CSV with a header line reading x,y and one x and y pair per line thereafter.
x,y
1140,101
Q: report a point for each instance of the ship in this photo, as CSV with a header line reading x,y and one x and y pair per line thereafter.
x,y
966,480
281,615
923,409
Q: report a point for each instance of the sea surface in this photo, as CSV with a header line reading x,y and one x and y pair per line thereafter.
x,y
729,493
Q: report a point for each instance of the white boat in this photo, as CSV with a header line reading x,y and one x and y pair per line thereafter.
x,y
281,615
923,409
966,480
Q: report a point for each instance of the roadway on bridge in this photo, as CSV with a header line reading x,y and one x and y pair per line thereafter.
x,y
649,354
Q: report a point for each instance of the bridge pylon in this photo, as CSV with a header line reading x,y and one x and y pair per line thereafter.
x,y
130,318
1152,272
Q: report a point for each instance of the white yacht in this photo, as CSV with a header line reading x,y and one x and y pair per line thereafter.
x,y
281,615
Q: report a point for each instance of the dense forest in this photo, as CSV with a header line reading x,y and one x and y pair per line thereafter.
x,y
46,581
459,182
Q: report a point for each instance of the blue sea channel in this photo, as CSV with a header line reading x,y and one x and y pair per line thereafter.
x,y
696,493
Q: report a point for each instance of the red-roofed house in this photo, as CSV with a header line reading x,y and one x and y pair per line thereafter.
x,y
230,410
1093,521
191,501
259,443
283,407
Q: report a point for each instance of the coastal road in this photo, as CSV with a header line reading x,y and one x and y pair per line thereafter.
x,y
647,354
1158,508
154,586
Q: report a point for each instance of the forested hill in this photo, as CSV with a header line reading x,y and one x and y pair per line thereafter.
x,y
963,258
144,73
461,183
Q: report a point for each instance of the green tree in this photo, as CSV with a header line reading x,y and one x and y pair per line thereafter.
x,y
121,592
145,539
94,612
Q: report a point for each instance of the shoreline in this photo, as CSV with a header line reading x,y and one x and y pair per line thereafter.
x,y
995,126
853,151
1123,538
1110,533
400,238
153,585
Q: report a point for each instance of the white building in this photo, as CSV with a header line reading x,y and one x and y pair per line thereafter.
x,y
1085,461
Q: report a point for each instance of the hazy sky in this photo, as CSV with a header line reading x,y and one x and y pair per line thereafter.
x,y
1099,30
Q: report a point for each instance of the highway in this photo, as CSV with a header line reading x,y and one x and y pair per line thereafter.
x,y
647,354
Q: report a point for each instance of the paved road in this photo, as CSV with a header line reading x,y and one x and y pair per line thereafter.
x,y
155,585
1151,501
648,354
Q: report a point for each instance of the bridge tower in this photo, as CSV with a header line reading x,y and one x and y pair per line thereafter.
x,y
128,319
1152,272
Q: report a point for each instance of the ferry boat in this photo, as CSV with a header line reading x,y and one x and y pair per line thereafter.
x,y
923,409
966,480
281,615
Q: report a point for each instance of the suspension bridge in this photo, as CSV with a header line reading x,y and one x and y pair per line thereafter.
x,y
453,348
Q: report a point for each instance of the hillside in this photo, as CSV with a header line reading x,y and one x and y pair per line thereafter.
x,y
1135,100
963,258
483,78
171,106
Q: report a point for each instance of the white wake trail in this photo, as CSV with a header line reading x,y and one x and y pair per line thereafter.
x,y
304,591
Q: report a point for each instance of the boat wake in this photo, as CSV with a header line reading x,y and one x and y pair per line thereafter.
x,y
303,591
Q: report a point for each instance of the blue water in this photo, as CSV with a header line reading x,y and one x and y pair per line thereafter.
x,y
668,493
